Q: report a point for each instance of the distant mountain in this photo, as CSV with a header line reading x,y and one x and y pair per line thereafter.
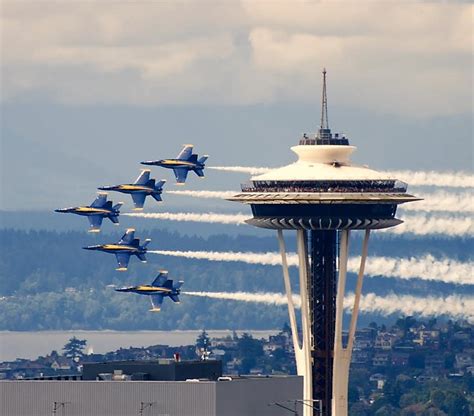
x,y
48,282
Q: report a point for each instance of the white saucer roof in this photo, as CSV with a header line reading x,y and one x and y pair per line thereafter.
x,y
322,162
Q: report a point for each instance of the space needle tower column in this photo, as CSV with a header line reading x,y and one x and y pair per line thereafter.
x,y
323,197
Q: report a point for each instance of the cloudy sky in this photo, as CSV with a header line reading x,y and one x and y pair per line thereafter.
x,y
91,87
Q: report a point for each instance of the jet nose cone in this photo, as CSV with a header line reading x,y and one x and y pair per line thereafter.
x,y
89,247
60,210
146,162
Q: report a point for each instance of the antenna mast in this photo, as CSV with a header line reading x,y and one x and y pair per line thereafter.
x,y
324,105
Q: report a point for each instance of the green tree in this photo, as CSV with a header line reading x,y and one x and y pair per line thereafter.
x,y
456,404
203,341
407,399
74,348
437,397
387,410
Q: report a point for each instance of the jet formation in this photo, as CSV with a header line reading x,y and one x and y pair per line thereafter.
x,y
160,288
128,245
183,163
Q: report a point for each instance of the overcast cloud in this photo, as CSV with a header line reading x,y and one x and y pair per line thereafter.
x,y
407,59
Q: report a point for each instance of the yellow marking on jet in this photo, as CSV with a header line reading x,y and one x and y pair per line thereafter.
x,y
118,247
121,269
94,230
92,209
177,162
135,188
155,310
152,289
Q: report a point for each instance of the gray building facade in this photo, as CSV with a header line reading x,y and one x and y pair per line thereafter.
x,y
239,397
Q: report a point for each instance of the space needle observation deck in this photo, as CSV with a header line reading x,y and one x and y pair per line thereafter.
x,y
323,196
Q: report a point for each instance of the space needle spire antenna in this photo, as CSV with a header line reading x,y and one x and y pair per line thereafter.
x,y
324,105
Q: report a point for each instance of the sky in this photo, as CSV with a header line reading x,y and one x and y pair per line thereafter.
x,y
90,88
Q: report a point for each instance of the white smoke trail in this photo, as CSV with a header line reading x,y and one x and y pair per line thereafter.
x,y
414,178
431,178
442,201
204,194
450,226
269,298
416,224
210,217
424,268
458,307
437,201
242,169
269,259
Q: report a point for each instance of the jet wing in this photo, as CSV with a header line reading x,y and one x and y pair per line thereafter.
x,y
100,201
95,222
128,237
122,260
143,178
156,301
160,279
181,174
139,200
186,152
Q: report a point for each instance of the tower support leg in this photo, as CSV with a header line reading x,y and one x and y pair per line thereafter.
x,y
297,343
301,242
342,355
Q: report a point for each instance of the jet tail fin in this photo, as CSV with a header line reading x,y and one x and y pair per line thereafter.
x,y
157,197
193,158
159,185
175,298
151,183
117,206
168,284
179,284
203,159
142,256
199,172
115,220
107,205
147,241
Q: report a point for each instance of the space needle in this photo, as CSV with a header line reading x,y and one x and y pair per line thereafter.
x,y
323,196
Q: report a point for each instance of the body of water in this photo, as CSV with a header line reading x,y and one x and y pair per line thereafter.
x,y
30,345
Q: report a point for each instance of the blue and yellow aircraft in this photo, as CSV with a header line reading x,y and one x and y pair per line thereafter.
x,y
184,162
126,247
140,189
159,288
96,212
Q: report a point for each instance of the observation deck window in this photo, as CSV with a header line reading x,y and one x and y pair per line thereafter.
x,y
355,186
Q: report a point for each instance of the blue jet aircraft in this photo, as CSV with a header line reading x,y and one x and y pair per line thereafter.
x,y
184,162
159,288
96,212
126,247
140,189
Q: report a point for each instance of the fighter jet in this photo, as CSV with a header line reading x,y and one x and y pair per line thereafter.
x,y
159,288
126,247
140,189
96,212
184,162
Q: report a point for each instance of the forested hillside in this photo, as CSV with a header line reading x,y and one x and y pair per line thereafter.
x,y
48,282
